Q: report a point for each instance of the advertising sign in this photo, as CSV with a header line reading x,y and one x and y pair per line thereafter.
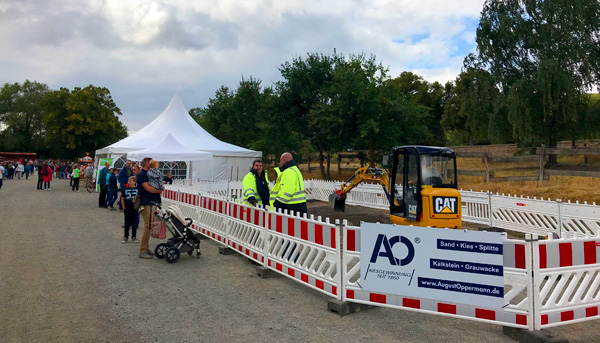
x,y
100,167
457,266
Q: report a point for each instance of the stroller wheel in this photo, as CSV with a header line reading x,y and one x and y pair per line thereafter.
x,y
160,250
172,255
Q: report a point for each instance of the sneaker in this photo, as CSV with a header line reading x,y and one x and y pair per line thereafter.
x,y
150,252
112,209
124,240
134,240
145,256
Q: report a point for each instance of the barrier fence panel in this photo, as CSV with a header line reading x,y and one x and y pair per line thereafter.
x,y
546,282
475,207
305,250
525,215
567,280
518,287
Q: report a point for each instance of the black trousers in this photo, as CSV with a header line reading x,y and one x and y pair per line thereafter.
x,y
40,181
102,197
75,181
299,209
130,221
47,185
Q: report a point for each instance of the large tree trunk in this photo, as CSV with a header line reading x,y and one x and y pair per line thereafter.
x,y
552,159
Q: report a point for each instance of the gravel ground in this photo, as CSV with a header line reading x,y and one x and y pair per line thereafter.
x,y
64,277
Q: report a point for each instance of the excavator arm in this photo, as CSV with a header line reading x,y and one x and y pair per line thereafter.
x,y
337,200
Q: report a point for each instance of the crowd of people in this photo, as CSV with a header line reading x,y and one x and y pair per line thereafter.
x,y
10,169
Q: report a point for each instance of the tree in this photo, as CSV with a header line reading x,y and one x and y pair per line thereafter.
x,y
81,120
21,116
470,108
544,55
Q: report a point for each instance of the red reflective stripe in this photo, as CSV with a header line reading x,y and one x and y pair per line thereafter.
x,y
485,314
412,303
566,316
377,298
256,217
333,237
319,234
304,277
278,224
565,251
589,249
290,228
320,284
520,256
304,230
591,311
446,308
349,294
351,240
278,267
521,319
543,256
544,319
334,290
270,215
291,272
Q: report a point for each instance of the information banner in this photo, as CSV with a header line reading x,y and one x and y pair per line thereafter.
x,y
456,266
100,167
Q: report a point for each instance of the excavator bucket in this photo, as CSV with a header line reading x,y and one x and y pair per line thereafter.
x,y
337,202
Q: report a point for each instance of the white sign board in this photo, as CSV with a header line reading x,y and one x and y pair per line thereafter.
x,y
456,266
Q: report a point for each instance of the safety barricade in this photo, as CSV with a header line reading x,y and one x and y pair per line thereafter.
x,y
567,280
305,250
518,289
547,282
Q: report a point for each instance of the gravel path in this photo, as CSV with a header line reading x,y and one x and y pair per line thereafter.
x,y
64,277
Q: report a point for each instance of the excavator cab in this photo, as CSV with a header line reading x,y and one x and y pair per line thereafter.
x,y
424,187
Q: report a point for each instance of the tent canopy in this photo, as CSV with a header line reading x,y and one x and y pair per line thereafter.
x,y
175,120
170,150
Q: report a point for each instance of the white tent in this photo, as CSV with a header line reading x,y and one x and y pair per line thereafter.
x,y
170,150
230,162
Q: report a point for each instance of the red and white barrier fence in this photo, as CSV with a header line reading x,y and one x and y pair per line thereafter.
x,y
546,282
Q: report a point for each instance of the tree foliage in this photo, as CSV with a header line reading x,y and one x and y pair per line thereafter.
x,y
81,120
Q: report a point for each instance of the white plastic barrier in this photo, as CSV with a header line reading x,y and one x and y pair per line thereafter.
x,y
547,282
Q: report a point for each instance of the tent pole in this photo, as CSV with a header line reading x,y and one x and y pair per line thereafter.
x,y
191,173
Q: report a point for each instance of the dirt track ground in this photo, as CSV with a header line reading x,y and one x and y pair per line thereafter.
x,y
64,277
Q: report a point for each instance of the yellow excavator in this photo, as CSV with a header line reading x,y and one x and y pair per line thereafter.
x,y
421,188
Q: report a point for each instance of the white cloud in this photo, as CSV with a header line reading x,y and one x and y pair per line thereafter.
x,y
145,50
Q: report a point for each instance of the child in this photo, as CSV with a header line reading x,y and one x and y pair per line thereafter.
x,y
128,193
155,177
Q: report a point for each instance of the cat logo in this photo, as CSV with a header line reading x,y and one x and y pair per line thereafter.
x,y
445,205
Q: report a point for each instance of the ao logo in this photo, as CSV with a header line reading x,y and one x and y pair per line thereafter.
x,y
383,248
444,204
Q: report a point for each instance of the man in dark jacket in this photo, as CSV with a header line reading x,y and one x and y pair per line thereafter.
x,y
103,186
113,189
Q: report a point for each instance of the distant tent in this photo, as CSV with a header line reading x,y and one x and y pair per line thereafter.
x,y
230,162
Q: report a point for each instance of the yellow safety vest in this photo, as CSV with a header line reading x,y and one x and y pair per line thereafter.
x,y
291,187
250,187
275,188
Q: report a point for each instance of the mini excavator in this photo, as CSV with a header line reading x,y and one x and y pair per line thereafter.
x,y
421,188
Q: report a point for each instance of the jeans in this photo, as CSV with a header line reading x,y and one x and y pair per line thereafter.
x,y
112,196
62,175
26,175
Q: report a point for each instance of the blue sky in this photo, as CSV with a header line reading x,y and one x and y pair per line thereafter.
x,y
144,51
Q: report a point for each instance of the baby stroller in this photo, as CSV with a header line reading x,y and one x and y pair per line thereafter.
x,y
184,239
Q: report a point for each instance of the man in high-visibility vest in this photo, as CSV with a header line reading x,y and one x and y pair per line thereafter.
x,y
256,185
291,194
275,188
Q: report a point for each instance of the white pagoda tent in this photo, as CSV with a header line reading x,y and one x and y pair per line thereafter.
x,y
229,162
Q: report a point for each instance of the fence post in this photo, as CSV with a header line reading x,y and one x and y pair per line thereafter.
x,y
487,167
535,320
490,209
542,155
558,202
339,244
